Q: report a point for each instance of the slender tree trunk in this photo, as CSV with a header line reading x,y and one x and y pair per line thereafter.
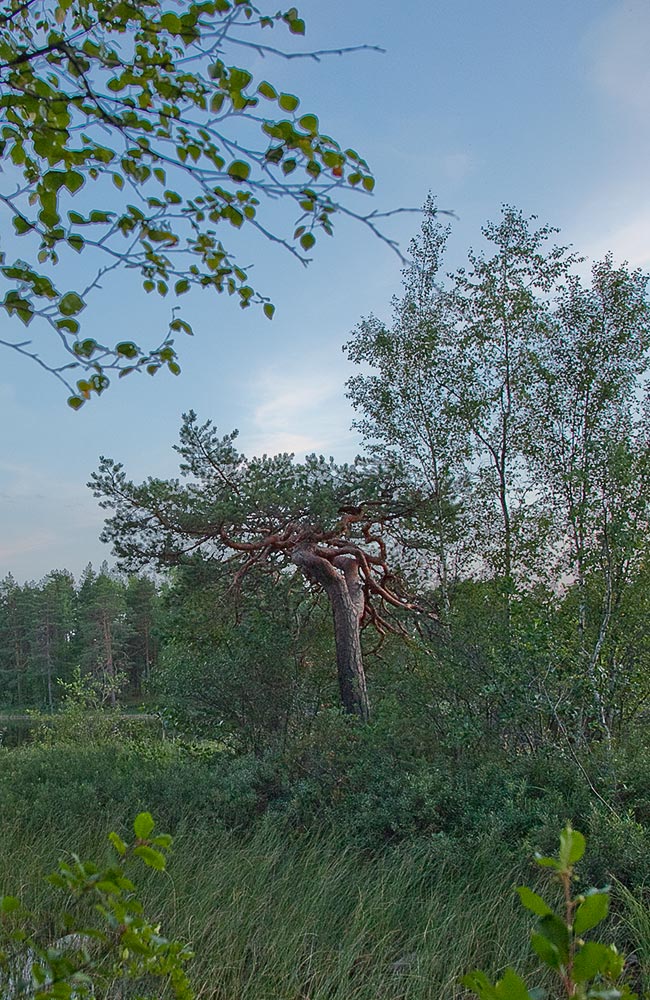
x,y
19,672
48,668
109,664
147,658
345,592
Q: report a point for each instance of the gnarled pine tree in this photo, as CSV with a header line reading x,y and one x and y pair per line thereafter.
x,y
331,522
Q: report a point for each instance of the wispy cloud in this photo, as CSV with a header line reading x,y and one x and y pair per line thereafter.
x,y
619,44
626,240
301,411
47,522
31,542
26,482
613,212
457,166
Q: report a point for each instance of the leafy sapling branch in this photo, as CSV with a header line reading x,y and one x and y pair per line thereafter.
x,y
120,944
128,139
584,968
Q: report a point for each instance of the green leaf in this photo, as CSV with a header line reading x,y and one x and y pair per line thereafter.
x,y
71,325
268,91
239,170
15,305
97,216
162,840
596,959
556,931
216,101
86,348
53,180
269,310
77,242
105,885
181,286
21,225
533,902
368,183
127,349
546,862
152,858
309,123
590,912
143,825
117,843
74,180
297,26
181,324
70,304
288,102
572,847
9,904
172,23
479,984
234,216
512,987
76,402
545,950
307,241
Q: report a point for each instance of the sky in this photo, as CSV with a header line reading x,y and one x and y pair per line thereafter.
x,y
481,102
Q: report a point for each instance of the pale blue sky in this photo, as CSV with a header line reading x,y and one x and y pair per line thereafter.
x,y
545,106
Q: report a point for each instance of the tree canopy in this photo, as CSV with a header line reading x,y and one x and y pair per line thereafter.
x,y
129,138
505,416
514,393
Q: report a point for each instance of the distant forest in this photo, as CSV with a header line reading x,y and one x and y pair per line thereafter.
x,y
102,628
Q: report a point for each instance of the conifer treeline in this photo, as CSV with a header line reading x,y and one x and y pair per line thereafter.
x,y
103,629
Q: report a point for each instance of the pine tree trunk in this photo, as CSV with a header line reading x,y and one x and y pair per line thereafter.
x,y
343,587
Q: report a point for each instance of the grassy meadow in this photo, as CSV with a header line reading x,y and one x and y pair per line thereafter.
x,y
275,909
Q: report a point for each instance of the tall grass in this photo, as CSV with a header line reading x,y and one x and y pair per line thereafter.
x,y
312,920
635,926
276,916
308,918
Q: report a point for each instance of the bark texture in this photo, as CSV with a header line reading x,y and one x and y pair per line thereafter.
x,y
342,583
